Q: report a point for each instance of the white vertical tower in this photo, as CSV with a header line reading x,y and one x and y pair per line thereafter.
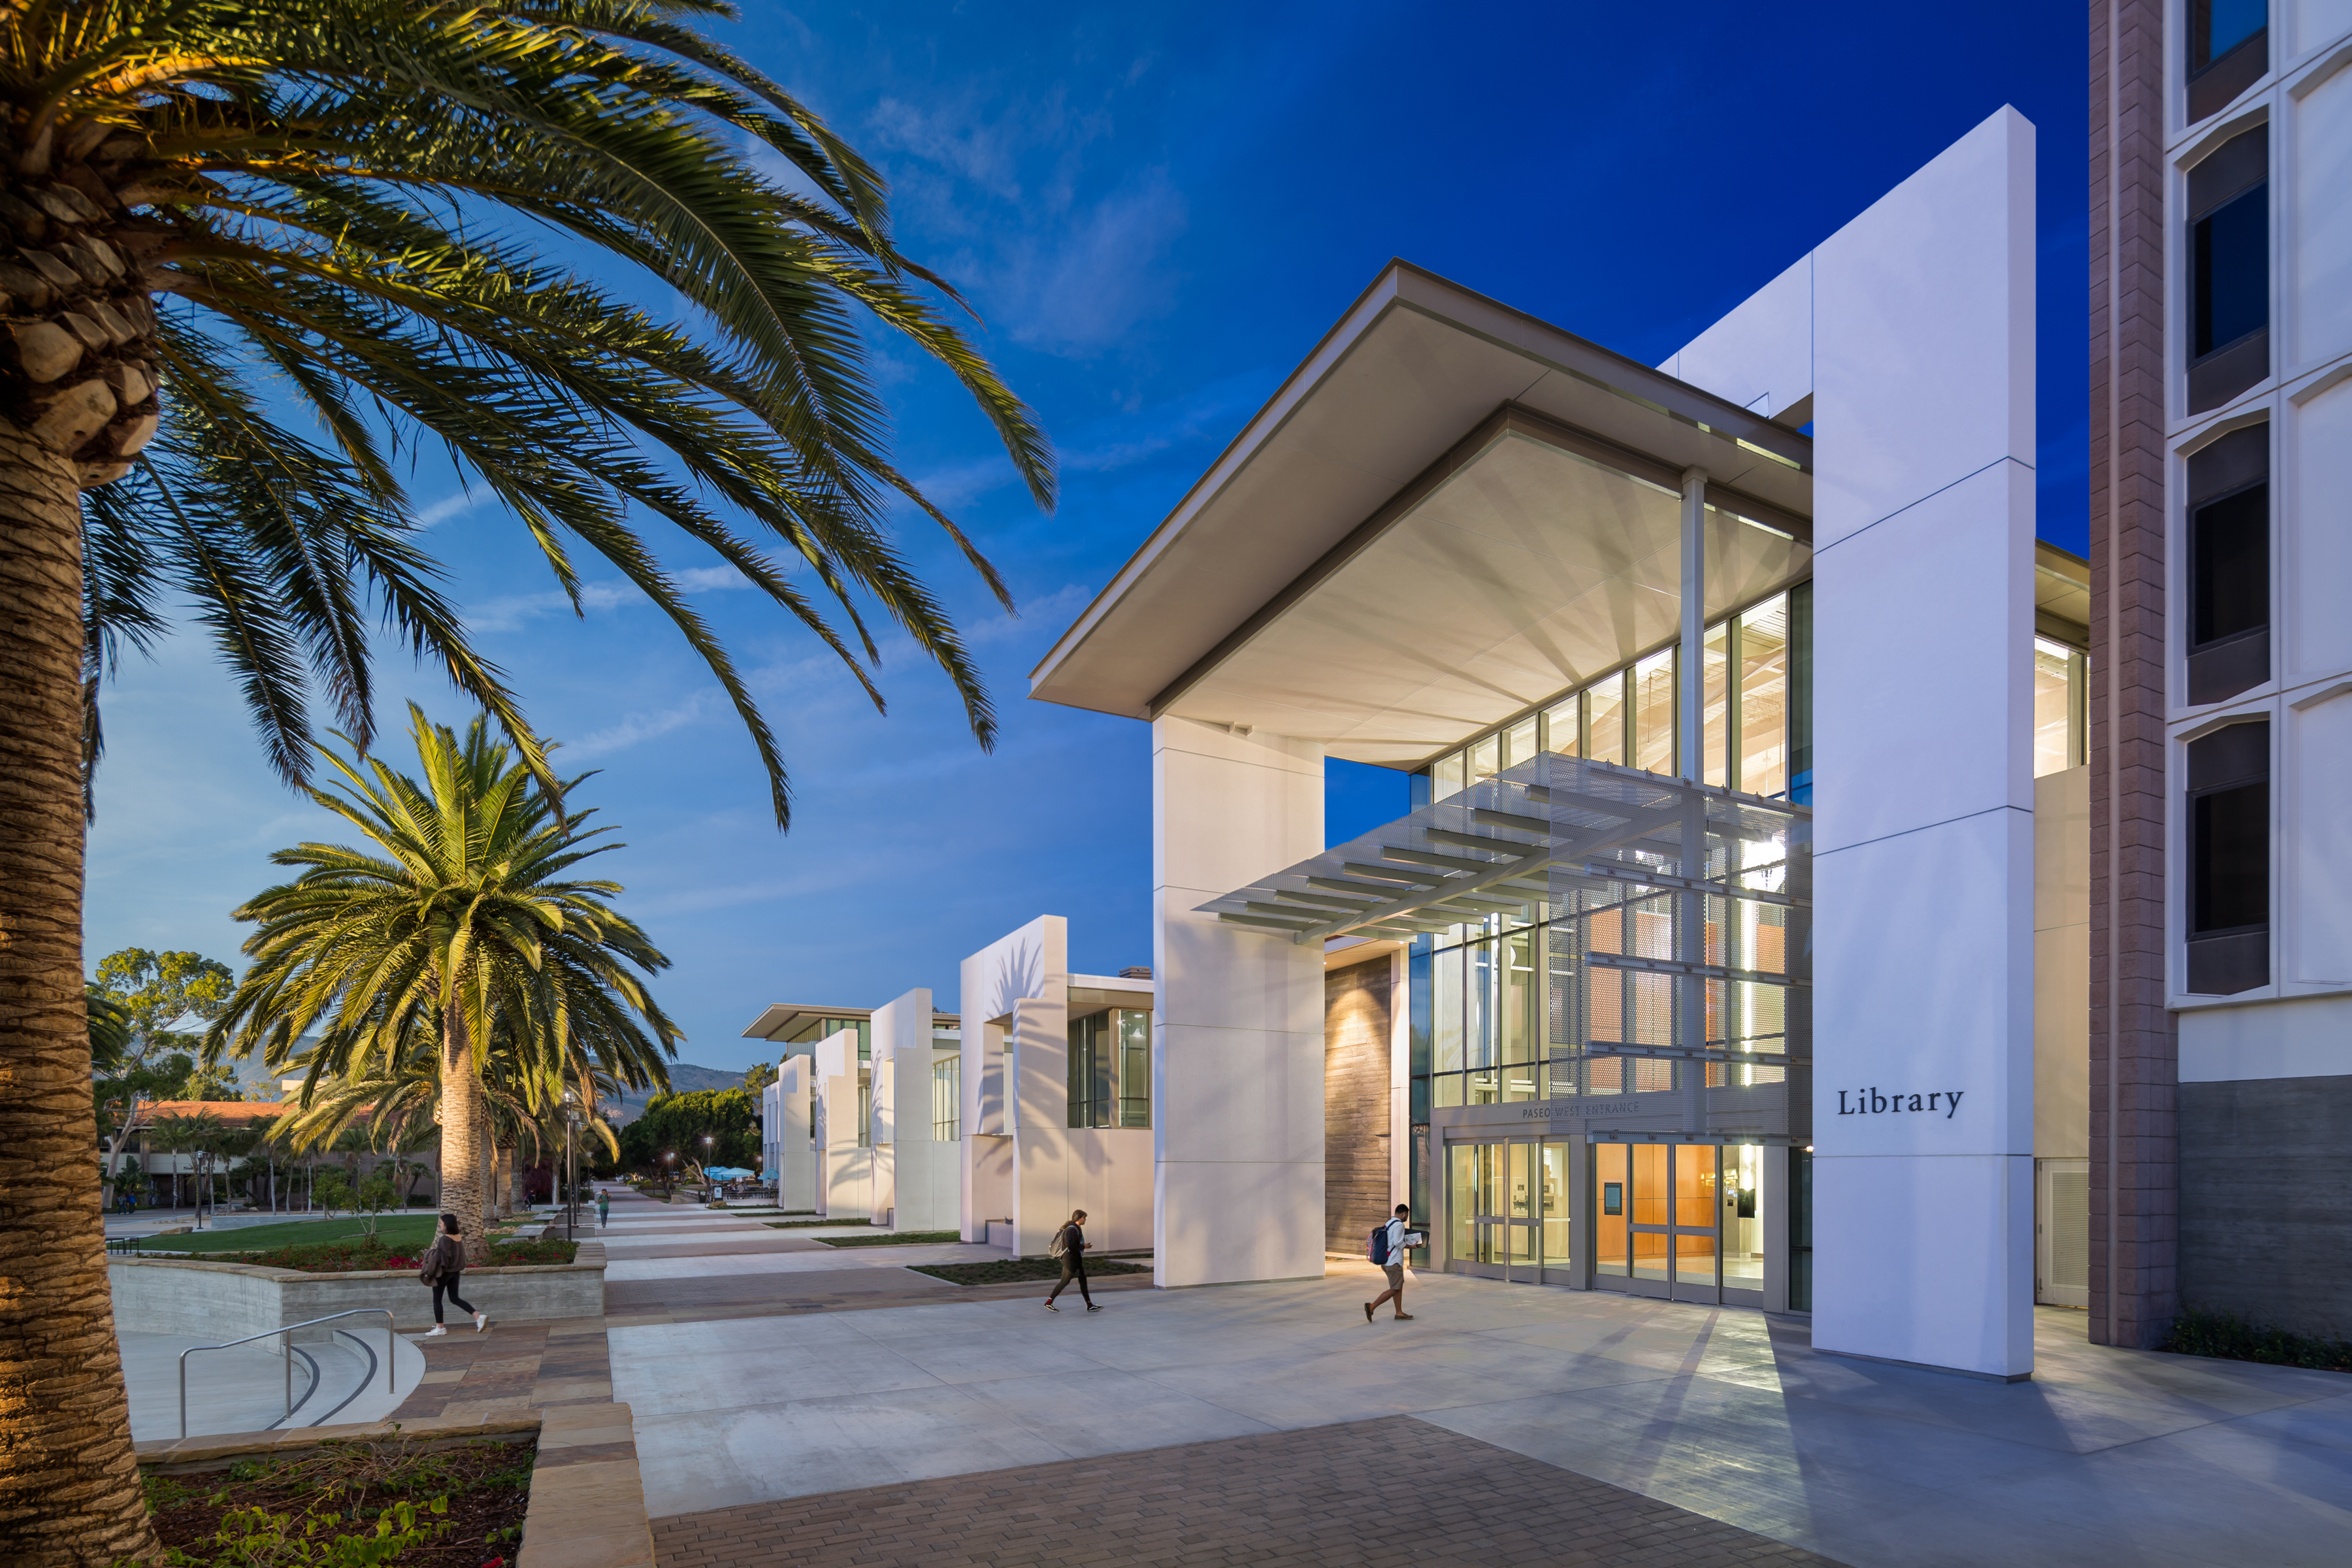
x,y
1237,1021
1924,363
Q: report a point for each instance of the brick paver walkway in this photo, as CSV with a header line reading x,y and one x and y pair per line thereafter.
x,y
514,1368
1396,1490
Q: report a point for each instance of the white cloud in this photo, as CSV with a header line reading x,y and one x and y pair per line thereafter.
x,y
511,611
1088,283
1043,617
447,507
638,728
712,578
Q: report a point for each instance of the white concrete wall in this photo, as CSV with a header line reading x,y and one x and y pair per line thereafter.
x,y
1760,355
845,1177
1025,1164
923,1185
1923,780
795,1155
1237,1057
1030,964
223,1302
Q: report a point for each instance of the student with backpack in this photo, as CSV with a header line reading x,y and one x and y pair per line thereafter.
x,y
1387,1249
443,1266
1070,1247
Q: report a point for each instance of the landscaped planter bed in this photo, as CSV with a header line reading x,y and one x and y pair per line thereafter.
x,y
1018,1271
468,1501
807,1224
893,1239
349,1258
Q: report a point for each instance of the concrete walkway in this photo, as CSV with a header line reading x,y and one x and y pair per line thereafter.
x,y
2107,1457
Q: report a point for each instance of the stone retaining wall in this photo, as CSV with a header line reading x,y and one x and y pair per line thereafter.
x,y
228,1300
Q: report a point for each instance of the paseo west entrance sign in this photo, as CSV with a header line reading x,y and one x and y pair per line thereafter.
x,y
1878,1103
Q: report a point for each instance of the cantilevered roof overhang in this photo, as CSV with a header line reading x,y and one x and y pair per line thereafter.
x,y
779,1020
1450,511
1514,844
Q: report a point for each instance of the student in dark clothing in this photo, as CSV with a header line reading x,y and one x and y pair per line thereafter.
x,y
1070,1247
444,1266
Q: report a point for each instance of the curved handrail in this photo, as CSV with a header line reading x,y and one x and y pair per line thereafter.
x,y
289,1355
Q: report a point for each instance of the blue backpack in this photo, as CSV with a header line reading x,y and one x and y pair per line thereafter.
x,y
1380,1247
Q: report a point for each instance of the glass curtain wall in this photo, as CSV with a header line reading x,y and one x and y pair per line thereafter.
x,y
947,1098
2058,710
1110,1070
1627,717
1526,1010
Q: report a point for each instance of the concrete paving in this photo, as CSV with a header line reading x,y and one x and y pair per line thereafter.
x,y
2105,1456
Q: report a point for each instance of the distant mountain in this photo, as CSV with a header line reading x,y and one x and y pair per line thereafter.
x,y
683,1076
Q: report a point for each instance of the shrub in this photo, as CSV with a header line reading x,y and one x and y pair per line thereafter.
x,y
369,1252
2228,1337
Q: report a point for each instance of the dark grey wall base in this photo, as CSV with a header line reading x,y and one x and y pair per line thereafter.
x,y
2266,1202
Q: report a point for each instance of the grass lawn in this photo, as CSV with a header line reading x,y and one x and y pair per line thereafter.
x,y
894,1238
804,1224
1018,1271
413,1230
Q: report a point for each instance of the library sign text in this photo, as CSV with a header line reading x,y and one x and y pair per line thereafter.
x,y
1877,1103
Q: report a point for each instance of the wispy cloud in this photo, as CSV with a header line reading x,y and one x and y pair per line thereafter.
x,y
638,728
1085,285
1065,260
510,611
1041,618
447,507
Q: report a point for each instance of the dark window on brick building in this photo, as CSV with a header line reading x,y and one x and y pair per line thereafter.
x,y
2229,269
2229,565
2228,806
2229,51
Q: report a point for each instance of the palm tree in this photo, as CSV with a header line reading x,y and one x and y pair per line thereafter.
x,y
198,1132
347,200
463,923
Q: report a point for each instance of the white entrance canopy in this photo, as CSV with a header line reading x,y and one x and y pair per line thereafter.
x,y
1452,510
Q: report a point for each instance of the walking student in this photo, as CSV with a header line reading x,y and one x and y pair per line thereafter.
x,y
1388,1250
445,1263
603,1208
1070,1247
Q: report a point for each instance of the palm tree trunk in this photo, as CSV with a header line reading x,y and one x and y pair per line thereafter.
x,y
461,1133
69,1487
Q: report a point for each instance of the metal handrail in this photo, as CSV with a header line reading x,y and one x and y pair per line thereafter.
x,y
389,1340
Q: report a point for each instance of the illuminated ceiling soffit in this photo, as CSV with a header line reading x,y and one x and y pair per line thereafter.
x,y
1529,567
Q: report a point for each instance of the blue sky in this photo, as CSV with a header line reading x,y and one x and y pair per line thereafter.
x,y
1157,211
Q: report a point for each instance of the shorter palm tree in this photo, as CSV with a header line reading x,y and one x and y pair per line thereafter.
x,y
462,924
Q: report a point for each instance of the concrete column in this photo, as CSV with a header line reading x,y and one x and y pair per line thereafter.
x,y
1923,1108
1237,1022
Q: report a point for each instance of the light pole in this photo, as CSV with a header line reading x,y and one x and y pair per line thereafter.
x,y
670,1165
710,1190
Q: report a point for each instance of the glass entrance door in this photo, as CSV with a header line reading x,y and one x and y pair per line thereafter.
x,y
1507,1208
1657,1220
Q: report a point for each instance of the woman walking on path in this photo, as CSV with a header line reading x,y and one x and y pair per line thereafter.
x,y
444,1262
1070,1247
603,1208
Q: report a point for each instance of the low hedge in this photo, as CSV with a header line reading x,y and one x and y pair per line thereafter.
x,y
370,1253
2227,1337
1018,1271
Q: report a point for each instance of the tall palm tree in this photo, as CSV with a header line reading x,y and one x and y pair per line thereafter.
x,y
464,918
348,201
